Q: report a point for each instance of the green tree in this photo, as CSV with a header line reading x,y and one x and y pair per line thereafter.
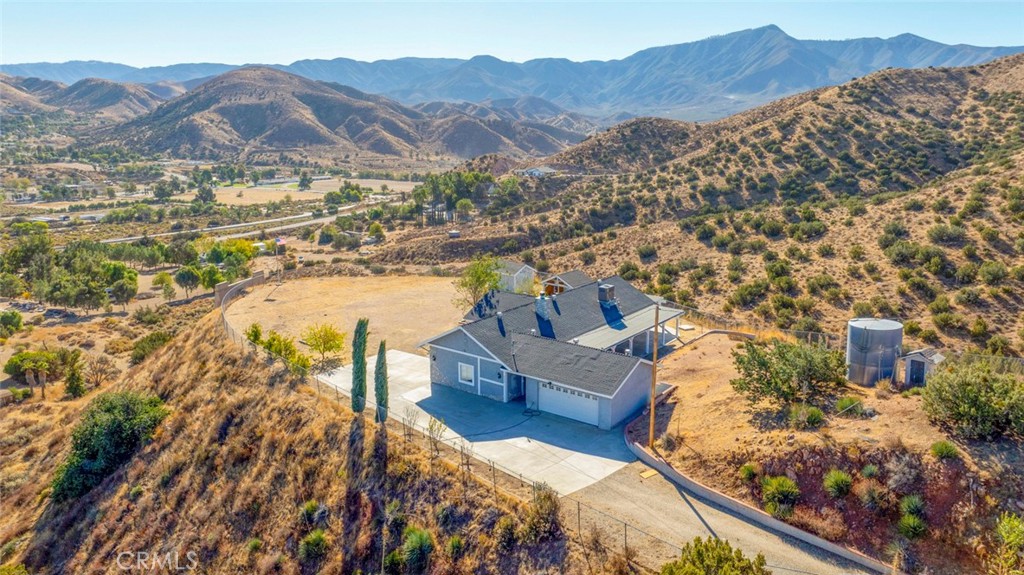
x,y
205,195
122,291
162,191
74,383
783,373
380,383
187,279
168,292
327,342
305,181
464,207
210,276
11,285
975,399
161,279
477,279
376,231
110,431
712,555
359,365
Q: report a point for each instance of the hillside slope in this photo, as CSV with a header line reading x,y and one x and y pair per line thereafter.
x,y
109,100
260,109
245,447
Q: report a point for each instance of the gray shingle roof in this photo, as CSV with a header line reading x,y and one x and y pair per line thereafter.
x,y
573,365
572,314
575,278
495,301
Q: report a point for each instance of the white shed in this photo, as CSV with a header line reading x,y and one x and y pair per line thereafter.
x,y
918,364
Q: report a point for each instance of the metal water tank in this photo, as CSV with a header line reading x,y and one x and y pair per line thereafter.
x,y
872,348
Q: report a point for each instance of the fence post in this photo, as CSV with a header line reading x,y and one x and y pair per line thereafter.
x,y
494,481
625,540
579,520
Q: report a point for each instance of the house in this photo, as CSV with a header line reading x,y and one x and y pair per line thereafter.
x,y
563,282
515,276
580,354
537,172
919,364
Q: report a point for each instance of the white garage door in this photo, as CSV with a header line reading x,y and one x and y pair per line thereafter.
x,y
568,403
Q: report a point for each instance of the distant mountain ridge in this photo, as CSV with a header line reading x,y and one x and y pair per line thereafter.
x,y
699,80
256,109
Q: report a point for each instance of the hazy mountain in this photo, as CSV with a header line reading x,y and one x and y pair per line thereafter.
x,y
259,108
709,78
105,98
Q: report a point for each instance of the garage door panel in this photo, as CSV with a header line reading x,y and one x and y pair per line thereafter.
x,y
568,403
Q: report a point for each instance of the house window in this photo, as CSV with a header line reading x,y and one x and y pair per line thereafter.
x,y
466,373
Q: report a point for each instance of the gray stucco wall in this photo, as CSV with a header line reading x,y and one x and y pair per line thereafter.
x,y
492,391
532,392
634,394
444,368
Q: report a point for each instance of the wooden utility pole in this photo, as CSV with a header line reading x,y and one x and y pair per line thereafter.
x,y
654,374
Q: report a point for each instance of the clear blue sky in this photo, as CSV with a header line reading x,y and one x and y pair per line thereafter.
x,y
147,33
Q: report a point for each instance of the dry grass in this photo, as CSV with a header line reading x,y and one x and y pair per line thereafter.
x,y
405,310
244,447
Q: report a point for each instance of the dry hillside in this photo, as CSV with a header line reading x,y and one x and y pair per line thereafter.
x,y
245,447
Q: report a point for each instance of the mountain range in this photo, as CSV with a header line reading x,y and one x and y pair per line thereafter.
x,y
700,80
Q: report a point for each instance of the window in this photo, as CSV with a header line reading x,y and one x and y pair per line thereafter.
x,y
466,374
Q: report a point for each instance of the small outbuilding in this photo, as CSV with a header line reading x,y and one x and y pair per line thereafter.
x,y
515,276
919,364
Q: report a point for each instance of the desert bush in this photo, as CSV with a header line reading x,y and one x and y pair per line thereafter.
x,y
647,251
111,429
912,526
779,494
947,234
973,399
850,406
912,505
455,547
147,315
827,523
803,416
313,546
147,344
749,471
868,471
783,373
871,494
713,555
837,483
542,517
417,547
944,450
505,534
1008,558
993,273
254,545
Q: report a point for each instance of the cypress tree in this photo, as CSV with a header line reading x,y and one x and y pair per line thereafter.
x,y
380,383
359,365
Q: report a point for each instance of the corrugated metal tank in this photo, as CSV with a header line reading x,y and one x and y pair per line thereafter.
x,y
872,347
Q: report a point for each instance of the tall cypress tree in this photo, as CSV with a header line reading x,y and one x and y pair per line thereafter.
x,y
359,365
380,383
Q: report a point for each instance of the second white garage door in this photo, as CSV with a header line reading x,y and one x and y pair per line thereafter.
x,y
568,403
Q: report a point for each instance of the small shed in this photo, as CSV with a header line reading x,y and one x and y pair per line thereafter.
x,y
918,364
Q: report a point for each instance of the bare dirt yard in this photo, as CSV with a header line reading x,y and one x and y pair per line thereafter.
x,y
404,310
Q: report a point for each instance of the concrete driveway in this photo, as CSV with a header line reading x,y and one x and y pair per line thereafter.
x,y
565,454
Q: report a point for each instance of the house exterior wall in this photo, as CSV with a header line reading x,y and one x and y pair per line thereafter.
x,y
457,348
631,397
532,392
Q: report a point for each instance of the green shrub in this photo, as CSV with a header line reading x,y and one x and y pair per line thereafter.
x,y
10,322
912,505
308,512
850,406
870,492
647,251
713,555
111,429
748,471
505,534
779,494
147,344
945,450
313,546
912,526
455,547
975,400
254,545
542,517
417,547
803,416
148,316
837,483
868,471
993,273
